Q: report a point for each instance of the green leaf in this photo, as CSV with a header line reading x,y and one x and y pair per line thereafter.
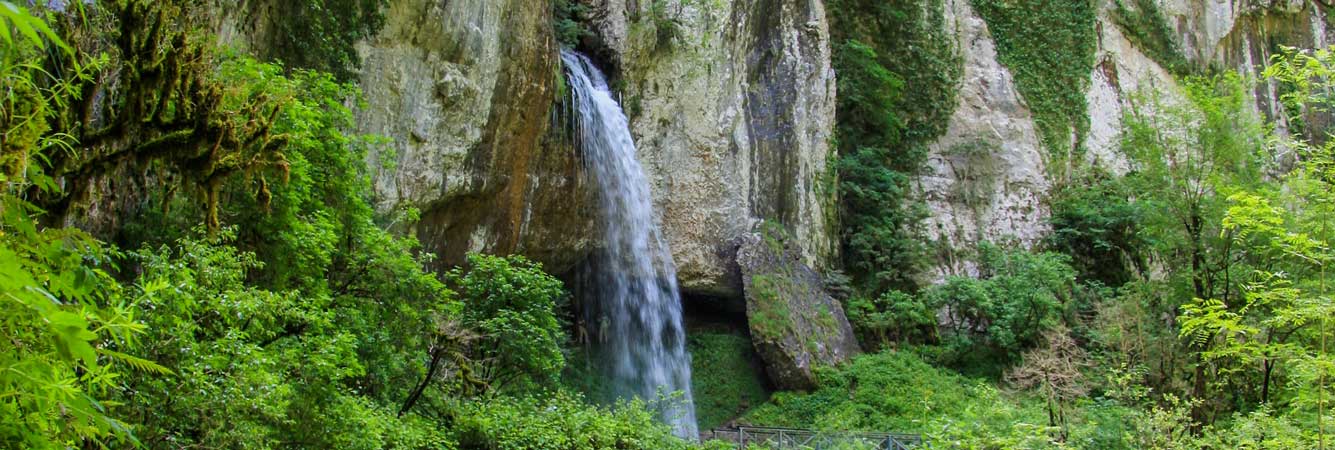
x,y
141,364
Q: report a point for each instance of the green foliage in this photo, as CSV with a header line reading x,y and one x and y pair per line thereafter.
x,y
567,17
322,35
233,349
897,391
559,421
726,378
1096,223
1186,158
512,303
898,72
893,317
1017,296
879,236
63,318
66,328
908,39
1049,47
870,93
1145,25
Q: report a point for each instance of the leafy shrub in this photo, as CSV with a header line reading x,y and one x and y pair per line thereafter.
x,y
893,317
1017,296
897,392
559,421
512,303
726,378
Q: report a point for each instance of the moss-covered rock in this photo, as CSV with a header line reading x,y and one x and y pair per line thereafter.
x,y
795,325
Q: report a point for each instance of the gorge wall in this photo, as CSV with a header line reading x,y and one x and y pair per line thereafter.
x,y
987,177
732,105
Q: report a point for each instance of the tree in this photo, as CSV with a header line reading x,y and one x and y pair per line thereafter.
x,y
511,303
1055,371
64,322
1186,157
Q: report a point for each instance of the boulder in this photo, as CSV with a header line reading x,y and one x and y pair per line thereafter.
x,y
795,325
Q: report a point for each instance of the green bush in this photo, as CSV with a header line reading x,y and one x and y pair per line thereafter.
x,y
726,378
559,421
1017,296
513,304
893,317
897,392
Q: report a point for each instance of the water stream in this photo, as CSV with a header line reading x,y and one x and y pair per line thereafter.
x,y
639,305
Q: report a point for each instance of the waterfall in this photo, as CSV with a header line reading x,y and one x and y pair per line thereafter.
x,y
638,303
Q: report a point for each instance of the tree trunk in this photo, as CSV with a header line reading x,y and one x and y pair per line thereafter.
x,y
1267,367
436,354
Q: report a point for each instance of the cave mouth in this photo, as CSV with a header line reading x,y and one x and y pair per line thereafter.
x,y
714,313
727,375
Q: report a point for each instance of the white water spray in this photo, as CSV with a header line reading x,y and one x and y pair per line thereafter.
x,y
637,284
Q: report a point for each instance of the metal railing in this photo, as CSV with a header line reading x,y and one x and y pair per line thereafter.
x,y
792,438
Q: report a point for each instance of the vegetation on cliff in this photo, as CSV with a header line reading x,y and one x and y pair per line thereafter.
x,y
897,72
189,258
1049,47
254,299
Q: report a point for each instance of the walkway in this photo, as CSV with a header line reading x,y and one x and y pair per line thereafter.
x,y
791,438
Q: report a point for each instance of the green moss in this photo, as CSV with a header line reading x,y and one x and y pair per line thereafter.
x,y
1146,26
774,236
726,378
771,319
1049,47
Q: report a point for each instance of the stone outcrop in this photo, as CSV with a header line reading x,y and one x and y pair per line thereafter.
x,y
732,107
795,325
985,178
466,89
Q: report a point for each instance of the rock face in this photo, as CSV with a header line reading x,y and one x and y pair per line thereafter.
x,y
985,178
731,102
795,325
466,89
732,107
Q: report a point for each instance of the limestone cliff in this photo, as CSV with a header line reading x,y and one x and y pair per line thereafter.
x,y
732,106
466,89
731,102
986,177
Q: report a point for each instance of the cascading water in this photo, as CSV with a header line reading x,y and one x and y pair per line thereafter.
x,y
639,305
